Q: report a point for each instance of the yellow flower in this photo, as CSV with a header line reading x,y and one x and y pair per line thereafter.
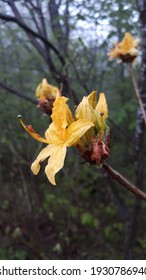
x,y
46,95
63,132
86,107
94,145
126,50
92,110
46,91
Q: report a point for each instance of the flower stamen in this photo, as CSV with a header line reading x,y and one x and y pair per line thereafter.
x,y
31,131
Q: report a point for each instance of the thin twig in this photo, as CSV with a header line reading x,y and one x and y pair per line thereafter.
x,y
9,89
123,181
137,92
28,30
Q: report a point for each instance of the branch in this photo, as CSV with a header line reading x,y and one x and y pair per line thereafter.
x,y
27,29
123,181
42,20
33,16
137,92
10,90
31,34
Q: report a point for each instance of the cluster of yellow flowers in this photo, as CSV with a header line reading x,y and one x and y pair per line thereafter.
x,y
86,130
126,50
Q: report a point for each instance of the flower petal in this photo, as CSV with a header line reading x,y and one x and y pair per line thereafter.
x,y
76,130
85,110
53,136
101,106
46,152
46,91
92,99
55,162
127,43
61,116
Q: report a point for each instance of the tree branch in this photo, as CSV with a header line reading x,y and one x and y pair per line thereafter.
x,y
10,90
123,181
31,11
33,33
42,20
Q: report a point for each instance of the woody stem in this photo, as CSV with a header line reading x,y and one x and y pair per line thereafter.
x,y
123,181
137,92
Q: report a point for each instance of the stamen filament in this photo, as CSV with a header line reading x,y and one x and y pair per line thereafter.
x,y
32,132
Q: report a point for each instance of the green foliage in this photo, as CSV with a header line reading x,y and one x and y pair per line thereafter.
x,y
88,220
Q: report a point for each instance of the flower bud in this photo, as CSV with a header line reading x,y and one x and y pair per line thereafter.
x,y
102,111
46,95
86,111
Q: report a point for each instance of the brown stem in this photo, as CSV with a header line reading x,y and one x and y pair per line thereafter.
x,y
9,89
123,181
137,92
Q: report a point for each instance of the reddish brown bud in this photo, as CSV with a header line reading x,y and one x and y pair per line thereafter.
x,y
100,151
127,58
46,105
97,151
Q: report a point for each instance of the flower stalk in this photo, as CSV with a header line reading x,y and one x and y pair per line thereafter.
x,y
137,92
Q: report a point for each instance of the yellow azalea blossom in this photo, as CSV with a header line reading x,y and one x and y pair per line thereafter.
x,y
86,107
94,145
62,133
46,91
126,50
46,95
95,111
85,110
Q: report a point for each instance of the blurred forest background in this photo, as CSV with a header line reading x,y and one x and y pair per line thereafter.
x,y
87,215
